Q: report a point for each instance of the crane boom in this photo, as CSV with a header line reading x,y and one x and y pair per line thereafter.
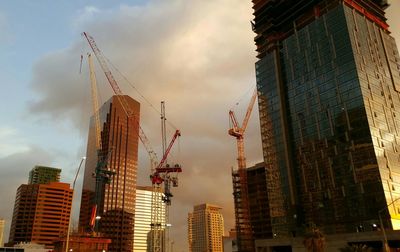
x,y
249,109
242,209
103,64
238,132
157,233
177,134
117,91
95,101
102,175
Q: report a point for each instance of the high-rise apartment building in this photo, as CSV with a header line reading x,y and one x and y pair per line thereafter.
x,y
329,101
44,174
206,229
116,200
143,217
2,223
41,213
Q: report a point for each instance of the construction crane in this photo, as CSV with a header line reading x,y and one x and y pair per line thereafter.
x,y
242,215
158,173
120,96
160,176
101,174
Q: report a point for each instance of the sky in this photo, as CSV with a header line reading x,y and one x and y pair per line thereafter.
x,y
197,56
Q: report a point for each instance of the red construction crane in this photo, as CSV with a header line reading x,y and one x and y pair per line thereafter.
x,y
158,173
240,192
117,91
238,132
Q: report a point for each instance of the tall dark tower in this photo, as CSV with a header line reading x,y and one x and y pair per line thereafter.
x,y
116,206
329,101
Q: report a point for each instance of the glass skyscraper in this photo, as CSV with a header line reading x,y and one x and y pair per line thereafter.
x,y
328,78
116,200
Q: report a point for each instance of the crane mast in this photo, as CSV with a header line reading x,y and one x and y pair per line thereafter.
x,y
95,102
101,174
117,91
162,175
158,173
242,215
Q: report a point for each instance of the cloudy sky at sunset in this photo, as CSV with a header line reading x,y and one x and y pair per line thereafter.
x,y
196,55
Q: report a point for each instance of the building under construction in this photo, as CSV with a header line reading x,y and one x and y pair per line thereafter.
x,y
239,181
259,209
328,83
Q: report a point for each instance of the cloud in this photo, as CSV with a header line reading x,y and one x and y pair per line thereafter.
x,y
198,57
394,22
11,142
15,168
85,15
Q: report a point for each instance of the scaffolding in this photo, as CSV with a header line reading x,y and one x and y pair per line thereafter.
x,y
242,211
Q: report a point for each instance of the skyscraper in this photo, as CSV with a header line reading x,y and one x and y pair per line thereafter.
x,y
329,101
206,229
44,174
143,217
119,149
41,213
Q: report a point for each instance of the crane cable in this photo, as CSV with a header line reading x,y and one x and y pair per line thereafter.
x,y
239,100
140,94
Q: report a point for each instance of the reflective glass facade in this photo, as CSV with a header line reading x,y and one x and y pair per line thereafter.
x,y
119,140
329,101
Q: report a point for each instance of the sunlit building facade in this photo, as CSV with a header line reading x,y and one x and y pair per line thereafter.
x,y
41,213
2,223
206,229
143,218
116,200
329,101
